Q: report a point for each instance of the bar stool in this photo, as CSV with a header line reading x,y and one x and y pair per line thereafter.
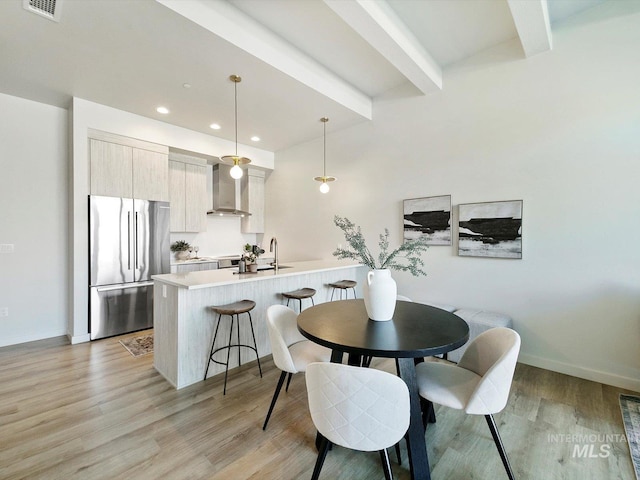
x,y
300,295
233,310
344,286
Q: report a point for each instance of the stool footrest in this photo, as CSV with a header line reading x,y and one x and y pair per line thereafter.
x,y
227,347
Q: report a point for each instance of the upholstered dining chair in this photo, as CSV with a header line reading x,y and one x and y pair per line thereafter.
x,y
291,351
479,384
358,408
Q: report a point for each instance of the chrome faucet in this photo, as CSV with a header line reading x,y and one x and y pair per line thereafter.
x,y
274,242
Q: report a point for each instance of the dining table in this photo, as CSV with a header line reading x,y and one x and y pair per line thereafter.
x,y
415,331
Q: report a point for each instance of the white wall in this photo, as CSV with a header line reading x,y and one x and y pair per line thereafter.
x,y
223,237
34,218
561,131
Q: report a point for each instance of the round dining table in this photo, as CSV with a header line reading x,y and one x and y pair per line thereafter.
x,y
415,331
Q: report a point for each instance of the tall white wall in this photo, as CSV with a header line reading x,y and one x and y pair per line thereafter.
x,y
34,218
561,131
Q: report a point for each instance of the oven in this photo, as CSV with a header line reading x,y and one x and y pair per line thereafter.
x,y
228,261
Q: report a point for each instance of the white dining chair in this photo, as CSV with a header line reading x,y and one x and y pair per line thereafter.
x,y
358,408
291,351
479,384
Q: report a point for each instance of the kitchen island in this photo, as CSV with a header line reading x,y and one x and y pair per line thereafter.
x,y
184,325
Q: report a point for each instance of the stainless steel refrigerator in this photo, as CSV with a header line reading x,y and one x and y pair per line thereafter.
x,y
128,242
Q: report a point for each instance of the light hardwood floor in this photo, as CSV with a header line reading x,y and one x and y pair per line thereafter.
x,y
92,411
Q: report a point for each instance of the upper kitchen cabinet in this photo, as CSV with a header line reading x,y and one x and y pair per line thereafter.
x,y
252,198
111,169
188,193
126,167
150,175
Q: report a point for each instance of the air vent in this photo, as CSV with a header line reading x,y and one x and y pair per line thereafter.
x,y
45,8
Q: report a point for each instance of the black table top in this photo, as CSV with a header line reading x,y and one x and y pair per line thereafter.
x,y
416,330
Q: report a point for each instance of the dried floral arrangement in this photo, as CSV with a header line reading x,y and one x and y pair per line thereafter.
x,y
405,258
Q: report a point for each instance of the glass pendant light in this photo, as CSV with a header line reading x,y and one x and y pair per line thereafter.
x,y
235,160
324,180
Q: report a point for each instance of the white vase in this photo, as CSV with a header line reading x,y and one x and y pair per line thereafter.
x,y
380,292
182,255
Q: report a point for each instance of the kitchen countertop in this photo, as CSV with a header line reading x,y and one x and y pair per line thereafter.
x,y
193,260
229,276
264,259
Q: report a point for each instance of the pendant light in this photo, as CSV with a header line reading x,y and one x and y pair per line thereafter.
x,y
235,160
324,185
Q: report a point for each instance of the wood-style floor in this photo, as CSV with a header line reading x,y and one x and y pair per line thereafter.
x,y
92,411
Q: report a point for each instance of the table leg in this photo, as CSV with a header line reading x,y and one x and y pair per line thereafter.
x,y
336,356
355,360
416,444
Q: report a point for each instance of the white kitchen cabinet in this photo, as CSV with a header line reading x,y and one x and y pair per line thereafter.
x,y
111,169
177,196
188,196
150,175
195,182
126,167
252,200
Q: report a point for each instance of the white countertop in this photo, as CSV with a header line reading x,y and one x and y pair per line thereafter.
x,y
229,276
265,259
193,260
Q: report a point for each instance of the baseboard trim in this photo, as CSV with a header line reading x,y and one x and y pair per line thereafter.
x,y
17,340
580,372
74,339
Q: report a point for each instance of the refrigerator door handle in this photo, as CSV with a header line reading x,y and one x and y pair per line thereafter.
x,y
135,251
128,240
124,286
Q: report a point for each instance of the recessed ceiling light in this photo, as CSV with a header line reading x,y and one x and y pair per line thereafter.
x,y
162,110
255,139
215,126
186,85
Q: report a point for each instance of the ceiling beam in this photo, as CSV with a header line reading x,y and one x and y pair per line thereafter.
x,y
229,23
532,23
381,27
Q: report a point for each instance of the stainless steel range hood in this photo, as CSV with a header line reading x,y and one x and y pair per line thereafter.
x,y
224,193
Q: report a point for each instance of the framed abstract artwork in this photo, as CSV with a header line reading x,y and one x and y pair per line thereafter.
x,y
491,229
428,217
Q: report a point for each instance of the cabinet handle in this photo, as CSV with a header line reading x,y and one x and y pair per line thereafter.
x,y
124,286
